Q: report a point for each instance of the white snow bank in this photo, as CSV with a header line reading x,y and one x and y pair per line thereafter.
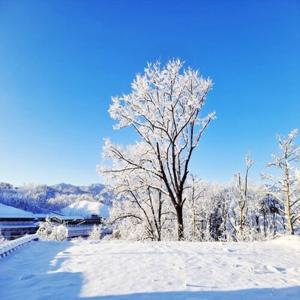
x,y
9,246
9,212
290,240
83,208
158,271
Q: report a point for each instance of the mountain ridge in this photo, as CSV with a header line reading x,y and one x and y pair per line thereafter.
x,y
45,198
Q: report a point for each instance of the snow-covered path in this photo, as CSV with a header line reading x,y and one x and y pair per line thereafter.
x,y
132,270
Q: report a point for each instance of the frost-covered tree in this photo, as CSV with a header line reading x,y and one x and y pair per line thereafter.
x,y
165,108
193,210
221,227
50,232
297,173
285,186
140,196
269,215
95,234
202,215
242,194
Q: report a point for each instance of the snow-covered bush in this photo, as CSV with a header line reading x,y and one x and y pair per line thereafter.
x,y
126,221
61,232
50,232
95,234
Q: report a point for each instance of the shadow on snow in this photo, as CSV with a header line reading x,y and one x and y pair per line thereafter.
x,y
291,293
45,282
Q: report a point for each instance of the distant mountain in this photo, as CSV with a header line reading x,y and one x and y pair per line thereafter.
x,y
64,188
44,198
94,189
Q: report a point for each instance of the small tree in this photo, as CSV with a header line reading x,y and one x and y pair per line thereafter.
x,y
50,232
284,187
242,190
196,193
95,234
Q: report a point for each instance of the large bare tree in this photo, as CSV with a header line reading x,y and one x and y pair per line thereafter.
x,y
165,109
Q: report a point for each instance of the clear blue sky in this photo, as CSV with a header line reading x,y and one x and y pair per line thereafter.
x,y
61,61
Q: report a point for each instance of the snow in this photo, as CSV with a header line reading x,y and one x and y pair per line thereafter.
x,y
9,246
11,212
83,208
114,270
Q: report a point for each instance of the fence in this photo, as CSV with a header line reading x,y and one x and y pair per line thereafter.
x,y
10,246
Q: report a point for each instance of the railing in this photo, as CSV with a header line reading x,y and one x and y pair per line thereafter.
x,y
10,246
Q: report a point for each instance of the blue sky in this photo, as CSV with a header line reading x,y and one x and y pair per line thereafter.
x,y
61,61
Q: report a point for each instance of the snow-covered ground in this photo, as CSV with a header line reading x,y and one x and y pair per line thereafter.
x,y
168,270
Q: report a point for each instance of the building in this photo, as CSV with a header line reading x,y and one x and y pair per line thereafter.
x,y
15,222
77,225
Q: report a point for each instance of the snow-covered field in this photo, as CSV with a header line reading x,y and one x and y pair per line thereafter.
x,y
168,270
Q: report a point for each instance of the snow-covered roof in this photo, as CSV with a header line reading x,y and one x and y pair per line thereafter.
x,y
60,216
68,217
12,212
82,208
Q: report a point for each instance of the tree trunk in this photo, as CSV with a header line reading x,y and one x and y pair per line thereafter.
x,y
265,225
194,219
242,219
179,213
287,205
289,223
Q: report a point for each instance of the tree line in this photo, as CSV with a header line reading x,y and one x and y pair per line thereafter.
x,y
158,196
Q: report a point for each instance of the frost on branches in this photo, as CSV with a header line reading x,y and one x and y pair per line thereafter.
x,y
156,196
50,232
285,187
165,109
237,211
212,212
